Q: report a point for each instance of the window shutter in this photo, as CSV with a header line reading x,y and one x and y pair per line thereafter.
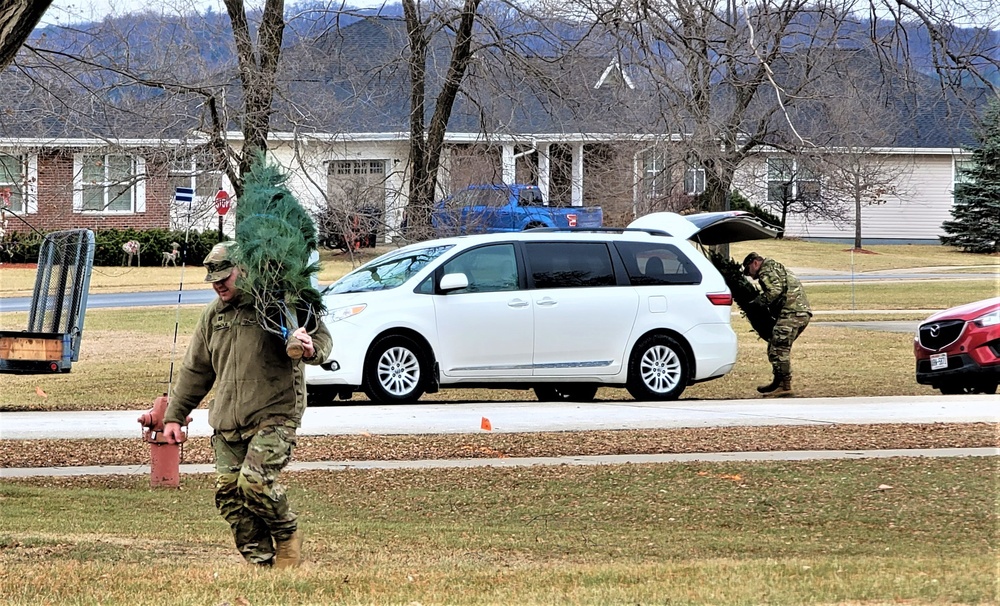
x,y
31,190
77,183
140,185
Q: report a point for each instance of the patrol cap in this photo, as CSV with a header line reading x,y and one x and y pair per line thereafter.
x,y
219,261
750,259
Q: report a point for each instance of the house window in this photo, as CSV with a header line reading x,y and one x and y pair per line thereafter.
x,y
109,183
13,180
960,166
789,180
359,167
694,179
197,172
656,181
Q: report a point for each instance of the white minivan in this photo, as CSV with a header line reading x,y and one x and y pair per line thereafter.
x,y
561,312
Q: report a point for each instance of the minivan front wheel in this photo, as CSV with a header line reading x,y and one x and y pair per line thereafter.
x,y
395,371
658,369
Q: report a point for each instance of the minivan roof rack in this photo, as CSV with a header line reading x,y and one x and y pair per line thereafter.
x,y
614,230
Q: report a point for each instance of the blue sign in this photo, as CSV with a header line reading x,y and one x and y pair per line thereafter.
x,y
184,194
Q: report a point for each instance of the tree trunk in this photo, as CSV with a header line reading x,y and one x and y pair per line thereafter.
x,y
857,220
257,69
425,151
17,20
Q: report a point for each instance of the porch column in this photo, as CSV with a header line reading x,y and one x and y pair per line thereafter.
x,y
544,171
507,166
576,182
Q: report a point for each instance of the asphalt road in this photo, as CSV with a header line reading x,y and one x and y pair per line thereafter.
x,y
202,296
125,299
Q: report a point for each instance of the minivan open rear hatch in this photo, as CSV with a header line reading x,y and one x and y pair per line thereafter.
x,y
709,228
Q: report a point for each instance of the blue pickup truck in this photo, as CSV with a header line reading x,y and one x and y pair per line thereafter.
x,y
503,208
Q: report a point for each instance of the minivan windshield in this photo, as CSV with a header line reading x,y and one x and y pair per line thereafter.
x,y
388,271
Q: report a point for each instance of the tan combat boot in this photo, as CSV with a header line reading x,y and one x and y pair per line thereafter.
x,y
783,389
288,554
774,384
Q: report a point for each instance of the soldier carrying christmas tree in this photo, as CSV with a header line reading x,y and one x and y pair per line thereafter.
x,y
782,294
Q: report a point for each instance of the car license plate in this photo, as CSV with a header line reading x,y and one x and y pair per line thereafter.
x,y
939,361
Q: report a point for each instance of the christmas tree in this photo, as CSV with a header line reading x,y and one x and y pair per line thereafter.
x,y
275,240
976,224
745,295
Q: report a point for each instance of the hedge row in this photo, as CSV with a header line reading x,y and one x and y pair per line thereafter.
x,y
17,247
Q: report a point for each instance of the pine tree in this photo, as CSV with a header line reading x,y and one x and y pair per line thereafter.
x,y
976,224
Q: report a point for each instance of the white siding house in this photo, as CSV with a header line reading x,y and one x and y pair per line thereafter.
x,y
924,182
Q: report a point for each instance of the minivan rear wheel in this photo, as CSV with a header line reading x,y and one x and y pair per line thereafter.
x,y
566,392
658,369
396,370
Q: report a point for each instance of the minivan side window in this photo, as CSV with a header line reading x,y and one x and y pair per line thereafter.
x,y
652,263
488,268
570,264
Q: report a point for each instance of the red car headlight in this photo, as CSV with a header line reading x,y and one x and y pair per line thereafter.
x,y
990,319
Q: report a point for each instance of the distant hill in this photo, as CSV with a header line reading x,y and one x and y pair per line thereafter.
x,y
208,36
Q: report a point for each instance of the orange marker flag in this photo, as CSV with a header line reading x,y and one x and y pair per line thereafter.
x,y
38,390
486,425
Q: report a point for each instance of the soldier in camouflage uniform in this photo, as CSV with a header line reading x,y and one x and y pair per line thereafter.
x,y
260,396
782,293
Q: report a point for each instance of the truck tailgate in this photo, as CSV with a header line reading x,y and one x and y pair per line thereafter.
x,y
579,216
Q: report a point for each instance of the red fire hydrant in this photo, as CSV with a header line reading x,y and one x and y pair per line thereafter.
x,y
164,457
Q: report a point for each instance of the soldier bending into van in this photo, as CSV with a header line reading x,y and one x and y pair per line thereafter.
x,y
782,293
260,395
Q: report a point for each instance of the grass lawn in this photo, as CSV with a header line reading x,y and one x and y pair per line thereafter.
x,y
793,253
126,360
913,531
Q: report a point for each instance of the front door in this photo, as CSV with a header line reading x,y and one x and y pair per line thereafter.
x,y
485,330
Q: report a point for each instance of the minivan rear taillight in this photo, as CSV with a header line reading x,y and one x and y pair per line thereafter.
x,y
720,298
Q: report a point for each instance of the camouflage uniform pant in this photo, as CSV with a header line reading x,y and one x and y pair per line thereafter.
x,y
779,347
247,492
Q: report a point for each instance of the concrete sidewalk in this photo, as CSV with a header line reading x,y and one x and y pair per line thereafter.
x,y
446,417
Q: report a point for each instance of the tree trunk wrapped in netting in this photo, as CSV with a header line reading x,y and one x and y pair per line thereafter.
x,y
275,238
744,293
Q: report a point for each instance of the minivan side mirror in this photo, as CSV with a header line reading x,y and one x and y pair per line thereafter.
x,y
453,282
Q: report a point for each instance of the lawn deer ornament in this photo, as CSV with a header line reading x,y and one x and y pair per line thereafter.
x,y
170,258
131,249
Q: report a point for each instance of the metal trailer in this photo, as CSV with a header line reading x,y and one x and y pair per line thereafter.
x,y
51,342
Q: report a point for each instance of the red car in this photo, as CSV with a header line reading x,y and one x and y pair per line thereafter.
x,y
958,350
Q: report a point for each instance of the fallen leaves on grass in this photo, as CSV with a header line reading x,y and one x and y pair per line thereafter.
x,y
44,453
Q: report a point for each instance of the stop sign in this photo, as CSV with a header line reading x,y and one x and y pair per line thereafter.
x,y
222,202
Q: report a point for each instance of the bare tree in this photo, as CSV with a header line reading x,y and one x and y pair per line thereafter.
x,y
791,184
854,122
731,76
862,178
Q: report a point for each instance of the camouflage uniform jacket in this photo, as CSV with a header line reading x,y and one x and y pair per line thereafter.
x,y
256,383
781,291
